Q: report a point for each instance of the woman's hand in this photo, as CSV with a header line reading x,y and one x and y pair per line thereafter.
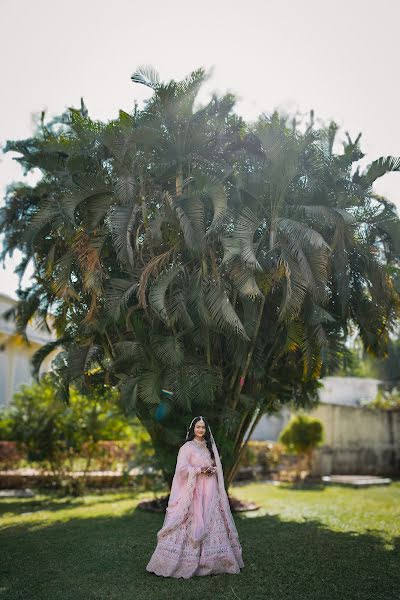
x,y
208,470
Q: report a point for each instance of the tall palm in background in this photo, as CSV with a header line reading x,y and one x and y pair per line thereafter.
x,y
178,248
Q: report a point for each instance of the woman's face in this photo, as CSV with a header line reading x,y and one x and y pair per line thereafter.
x,y
200,429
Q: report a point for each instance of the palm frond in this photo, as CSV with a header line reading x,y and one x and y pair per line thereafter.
x,y
223,313
300,233
49,212
149,386
294,287
118,293
80,359
95,210
246,226
153,268
43,352
190,212
61,283
129,395
243,279
380,167
124,188
176,309
146,75
294,336
216,192
159,288
168,350
232,246
129,358
121,221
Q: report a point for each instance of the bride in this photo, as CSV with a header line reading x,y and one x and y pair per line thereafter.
x,y
198,536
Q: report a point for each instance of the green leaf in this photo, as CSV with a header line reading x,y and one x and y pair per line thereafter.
x,y
245,228
121,221
168,350
223,312
61,283
300,233
118,294
231,247
216,192
43,352
159,288
244,281
380,167
190,212
129,394
149,387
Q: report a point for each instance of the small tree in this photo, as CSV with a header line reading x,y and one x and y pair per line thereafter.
x,y
301,436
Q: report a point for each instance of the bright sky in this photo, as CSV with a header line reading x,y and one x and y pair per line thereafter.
x,y
341,59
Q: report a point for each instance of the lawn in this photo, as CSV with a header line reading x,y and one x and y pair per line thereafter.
x,y
330,543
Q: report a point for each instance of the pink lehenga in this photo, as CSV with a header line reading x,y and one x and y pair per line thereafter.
x,y
199,535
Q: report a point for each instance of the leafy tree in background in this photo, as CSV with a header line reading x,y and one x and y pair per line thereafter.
x,y
386,399
55,434
360,363
388,368
180,248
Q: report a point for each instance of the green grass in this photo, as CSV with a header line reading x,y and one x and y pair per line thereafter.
x,y
311,544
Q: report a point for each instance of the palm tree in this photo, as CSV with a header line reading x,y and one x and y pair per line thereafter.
x,y
179,248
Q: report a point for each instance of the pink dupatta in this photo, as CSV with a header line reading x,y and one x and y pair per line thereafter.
x,y
181,496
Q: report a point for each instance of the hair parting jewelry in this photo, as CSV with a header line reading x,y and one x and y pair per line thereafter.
x,y
201,417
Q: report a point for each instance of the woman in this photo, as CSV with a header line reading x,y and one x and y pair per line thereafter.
x,y
199,535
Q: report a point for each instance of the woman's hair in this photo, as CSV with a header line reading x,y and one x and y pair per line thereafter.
x,y
207,436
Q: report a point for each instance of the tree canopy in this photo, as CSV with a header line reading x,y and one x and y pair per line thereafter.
x,y
181,248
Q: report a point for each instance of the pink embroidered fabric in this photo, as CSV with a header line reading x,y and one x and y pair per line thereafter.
x,y
198,536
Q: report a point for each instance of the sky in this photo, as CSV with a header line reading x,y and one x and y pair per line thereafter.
x,y
339,59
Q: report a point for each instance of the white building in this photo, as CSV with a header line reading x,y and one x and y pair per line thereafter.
x,y
15,353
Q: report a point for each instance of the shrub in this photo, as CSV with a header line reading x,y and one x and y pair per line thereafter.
x,y
10,455
265,454
301,436
56,434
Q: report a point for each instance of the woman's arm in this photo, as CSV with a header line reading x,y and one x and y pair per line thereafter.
x,y
183,464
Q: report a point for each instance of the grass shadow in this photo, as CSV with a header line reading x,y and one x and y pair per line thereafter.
x,y
104,558
303,486
61,502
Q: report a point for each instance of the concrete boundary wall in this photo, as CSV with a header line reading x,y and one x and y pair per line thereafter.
x,y
358,440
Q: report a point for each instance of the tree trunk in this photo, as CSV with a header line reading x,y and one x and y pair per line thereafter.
x,y
233,470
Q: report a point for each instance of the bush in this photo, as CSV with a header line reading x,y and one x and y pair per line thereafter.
x,y
58,435
264,454
301,436
10,455
108,454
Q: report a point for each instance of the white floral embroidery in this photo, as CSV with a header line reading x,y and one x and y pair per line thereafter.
x,y
175,555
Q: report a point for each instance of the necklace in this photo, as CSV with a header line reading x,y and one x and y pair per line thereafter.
x,y
201,444
202,447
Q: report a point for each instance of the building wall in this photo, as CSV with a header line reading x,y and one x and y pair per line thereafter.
x,y
16,354
358,440
351,391
270,426
15,369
